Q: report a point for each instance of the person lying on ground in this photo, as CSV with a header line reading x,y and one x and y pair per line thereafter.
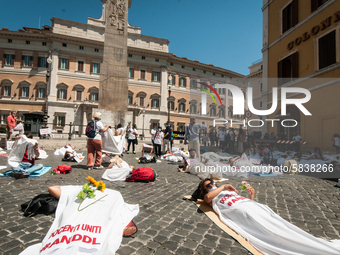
x,y
26,166
147,146
192,155
316,155
258,224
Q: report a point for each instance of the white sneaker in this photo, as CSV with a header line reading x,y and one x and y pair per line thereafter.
x,y
98,167
89,168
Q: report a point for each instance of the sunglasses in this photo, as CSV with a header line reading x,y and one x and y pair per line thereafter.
x,y
209,185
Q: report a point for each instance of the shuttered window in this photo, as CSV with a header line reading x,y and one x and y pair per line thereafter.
x,y
315,4
290,16
80,66
288,69
79,95
142,74
131,73
42,62
327,50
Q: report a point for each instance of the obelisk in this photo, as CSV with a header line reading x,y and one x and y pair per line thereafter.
x,y
113,83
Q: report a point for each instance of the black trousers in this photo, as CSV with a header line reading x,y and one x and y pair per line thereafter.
x,y
158,149
133,144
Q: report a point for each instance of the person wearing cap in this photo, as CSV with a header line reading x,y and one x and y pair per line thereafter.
x,y
94,145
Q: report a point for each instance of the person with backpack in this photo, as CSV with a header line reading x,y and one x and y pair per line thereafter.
x,y
94,131
158,140
132,138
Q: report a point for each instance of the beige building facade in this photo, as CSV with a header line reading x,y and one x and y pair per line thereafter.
x,y
301,49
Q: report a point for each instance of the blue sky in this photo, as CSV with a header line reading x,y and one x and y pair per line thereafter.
x,y
225,33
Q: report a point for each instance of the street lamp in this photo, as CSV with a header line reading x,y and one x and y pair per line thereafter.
x,y
169,89
48,76
143,124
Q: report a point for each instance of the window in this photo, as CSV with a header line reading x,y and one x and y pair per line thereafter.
x,y
181,128
155,103
327,50
79,95
182,82
221,91
221,113
41,93
64,44
156,59
260,104
130,55
171,80
204,71
44,43
288,69
156,76
261,86
315,4
194,69
172,64
193,84
9,59
213,111
42,62
129,100
142,74
80,66
214,74
230,114
27,61
94,96
222,75
25,92
9,40
7,91
96,50
81,47
62,93
95,68
171,105
131,73
229,93
182,107
60,121
141,101
143,57
63,63
290,16
28,42
193,109
183,67
4,117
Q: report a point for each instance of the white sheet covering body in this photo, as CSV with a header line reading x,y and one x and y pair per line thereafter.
x,y
265,230
18,151
113,144
96,230
117,174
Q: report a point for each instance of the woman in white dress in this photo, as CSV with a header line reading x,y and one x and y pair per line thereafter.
x,y
263,228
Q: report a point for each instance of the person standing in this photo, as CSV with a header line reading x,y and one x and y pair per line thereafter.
x,y
297,141
221,138
232,140
94,144
336,140
192,135
171,138
167,137
158,140
240,139
11,121
132,138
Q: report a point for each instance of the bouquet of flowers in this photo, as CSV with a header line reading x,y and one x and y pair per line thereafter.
x,y
88,191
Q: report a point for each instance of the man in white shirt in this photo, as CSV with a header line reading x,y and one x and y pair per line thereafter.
x,y
192,135
221,138
297,140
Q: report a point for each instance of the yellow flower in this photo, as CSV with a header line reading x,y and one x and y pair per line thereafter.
x,y
92,180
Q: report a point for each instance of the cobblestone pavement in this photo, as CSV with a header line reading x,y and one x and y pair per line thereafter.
x,y
167,224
